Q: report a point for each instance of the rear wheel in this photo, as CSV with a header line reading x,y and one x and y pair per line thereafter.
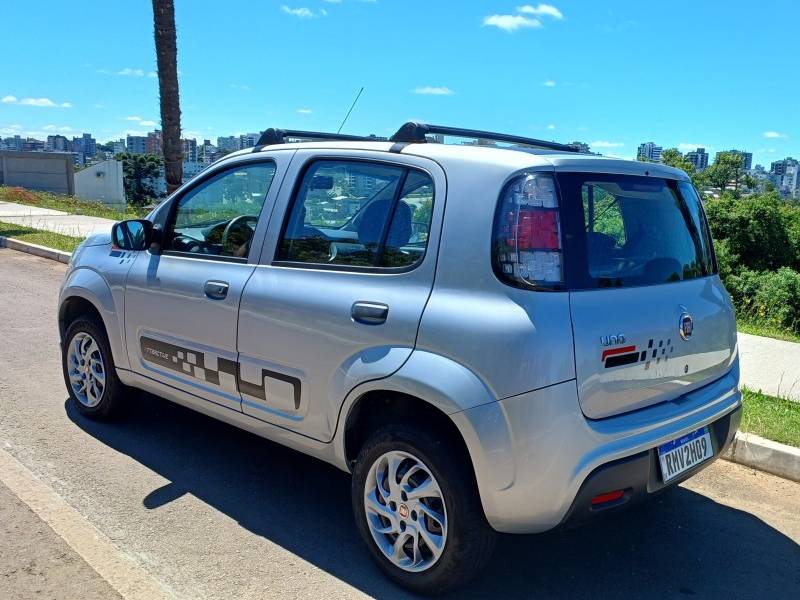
x,y
89,371
417,508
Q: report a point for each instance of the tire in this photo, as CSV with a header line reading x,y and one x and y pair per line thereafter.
x,y
468,538
102,400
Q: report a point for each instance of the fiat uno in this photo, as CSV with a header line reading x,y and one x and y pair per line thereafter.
x,y
499,335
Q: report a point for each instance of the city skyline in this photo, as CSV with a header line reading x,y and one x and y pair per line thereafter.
x,y
490,66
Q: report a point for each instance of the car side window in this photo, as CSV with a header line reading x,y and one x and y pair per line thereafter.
x,y
219,217
359,214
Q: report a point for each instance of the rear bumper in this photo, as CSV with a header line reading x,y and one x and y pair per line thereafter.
x,y
536,457
639,476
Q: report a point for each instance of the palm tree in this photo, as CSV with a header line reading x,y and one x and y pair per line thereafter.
x,y
167,57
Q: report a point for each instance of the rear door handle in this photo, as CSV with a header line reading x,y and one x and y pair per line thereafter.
x,y
216,290
369,313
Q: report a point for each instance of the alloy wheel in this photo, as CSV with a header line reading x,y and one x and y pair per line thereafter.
x,y
405,511
87,373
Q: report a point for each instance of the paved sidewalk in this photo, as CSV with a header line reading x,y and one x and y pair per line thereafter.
x,y
53,220
772,366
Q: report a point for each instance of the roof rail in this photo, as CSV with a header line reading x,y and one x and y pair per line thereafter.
x,y
279,136
415,133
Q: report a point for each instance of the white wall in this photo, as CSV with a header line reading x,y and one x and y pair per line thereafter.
x,y
102,182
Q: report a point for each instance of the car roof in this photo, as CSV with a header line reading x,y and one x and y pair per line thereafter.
x,y
515,158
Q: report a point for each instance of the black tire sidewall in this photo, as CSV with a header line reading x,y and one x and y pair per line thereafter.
x,y
107,405
462,558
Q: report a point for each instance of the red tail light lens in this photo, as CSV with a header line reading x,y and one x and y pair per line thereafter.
x,y
526,245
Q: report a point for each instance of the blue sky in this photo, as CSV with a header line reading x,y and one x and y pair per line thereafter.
x,y
610,73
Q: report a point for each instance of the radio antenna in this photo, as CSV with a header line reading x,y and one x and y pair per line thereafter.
x,y
352,106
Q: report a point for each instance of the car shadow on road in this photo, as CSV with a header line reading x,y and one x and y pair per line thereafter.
x,y
681,544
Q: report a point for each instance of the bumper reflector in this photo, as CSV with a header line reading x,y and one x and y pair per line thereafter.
x,y
607,497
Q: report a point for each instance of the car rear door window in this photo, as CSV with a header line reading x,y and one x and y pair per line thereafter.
x,y
348,213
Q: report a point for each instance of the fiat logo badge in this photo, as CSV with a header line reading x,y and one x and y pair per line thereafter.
x,y
686,326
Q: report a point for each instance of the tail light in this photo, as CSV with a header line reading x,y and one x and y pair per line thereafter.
x,y
526,242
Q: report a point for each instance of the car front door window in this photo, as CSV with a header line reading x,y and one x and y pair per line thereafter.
x,y
219,217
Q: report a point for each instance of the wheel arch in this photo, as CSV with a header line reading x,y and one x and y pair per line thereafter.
x,y
87,293
379,407
455,401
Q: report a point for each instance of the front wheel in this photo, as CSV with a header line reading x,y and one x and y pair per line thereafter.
x,y
417,508
89,370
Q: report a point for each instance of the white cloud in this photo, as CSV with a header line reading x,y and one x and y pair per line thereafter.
x,y
606,144
154,74
511,23
100,106
551,127
774,134
127,71
304,111
54,128
432,90
765,150
527,17
42,102
541,10
240,86
304,13
549,83
140,121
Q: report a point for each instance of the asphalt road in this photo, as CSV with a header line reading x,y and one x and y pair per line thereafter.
x,y
212,512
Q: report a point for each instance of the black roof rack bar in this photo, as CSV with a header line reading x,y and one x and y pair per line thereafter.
x,y
278,136
415,133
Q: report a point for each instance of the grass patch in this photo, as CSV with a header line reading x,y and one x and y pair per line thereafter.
x,y
59,241
765,330
773,418
68,204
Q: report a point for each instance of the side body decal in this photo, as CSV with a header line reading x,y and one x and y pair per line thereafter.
x,y
213,369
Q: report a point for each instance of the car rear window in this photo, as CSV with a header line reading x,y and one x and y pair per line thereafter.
x,y
626,231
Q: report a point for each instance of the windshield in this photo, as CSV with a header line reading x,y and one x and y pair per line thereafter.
x,y
631,231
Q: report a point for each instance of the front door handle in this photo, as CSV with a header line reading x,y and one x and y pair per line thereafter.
x,y
216,290
369,313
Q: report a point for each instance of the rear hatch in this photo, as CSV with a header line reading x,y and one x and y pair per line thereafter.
x,y
651,319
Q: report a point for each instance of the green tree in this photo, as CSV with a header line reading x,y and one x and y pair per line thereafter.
x,y
727,168
673,158
167,60
139,171
758,230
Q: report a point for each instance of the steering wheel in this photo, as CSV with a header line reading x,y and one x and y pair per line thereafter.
x,y
236,222
184,243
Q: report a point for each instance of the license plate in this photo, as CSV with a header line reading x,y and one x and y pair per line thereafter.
x,y
684,453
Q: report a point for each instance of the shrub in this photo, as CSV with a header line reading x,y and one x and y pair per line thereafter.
x,y
769,297
757,230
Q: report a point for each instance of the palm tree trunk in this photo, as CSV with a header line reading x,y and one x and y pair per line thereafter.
x,y
167,57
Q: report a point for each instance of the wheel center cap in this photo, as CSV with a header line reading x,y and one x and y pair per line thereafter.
x,y
403,511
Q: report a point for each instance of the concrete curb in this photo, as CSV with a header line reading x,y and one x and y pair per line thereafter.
x,y
35,249
765,455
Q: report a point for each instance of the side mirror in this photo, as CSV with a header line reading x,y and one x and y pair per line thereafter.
x,y
134,234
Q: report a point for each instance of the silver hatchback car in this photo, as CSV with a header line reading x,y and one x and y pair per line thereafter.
x,y
501,335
